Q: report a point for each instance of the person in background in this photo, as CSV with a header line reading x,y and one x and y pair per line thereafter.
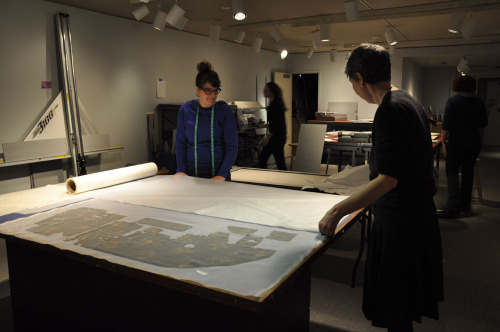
x,y
464,115
275,140
207,136
403,272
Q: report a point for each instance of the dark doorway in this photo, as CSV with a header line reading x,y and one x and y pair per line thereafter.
x,y
304,100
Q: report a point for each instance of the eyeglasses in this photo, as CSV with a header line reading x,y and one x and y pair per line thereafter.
x,y
209,91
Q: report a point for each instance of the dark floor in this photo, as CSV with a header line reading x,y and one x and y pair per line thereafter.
x,y
471,248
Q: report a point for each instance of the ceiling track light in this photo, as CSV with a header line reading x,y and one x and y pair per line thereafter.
x,y
324,32
309,53
159,22
457,19
239,9
469,28
283,53
140,12
391,37
462,67
276,35
333,55
256,45
175,14
351,10
182,23
239,38
316,39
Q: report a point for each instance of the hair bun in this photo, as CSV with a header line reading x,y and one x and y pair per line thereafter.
x,y
204,66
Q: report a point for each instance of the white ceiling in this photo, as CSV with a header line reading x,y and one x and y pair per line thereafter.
x,y
417,23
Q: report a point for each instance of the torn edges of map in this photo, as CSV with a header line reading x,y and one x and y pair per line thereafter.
x,y
241,258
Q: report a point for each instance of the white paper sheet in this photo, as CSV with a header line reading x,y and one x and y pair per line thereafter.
x,y
109,178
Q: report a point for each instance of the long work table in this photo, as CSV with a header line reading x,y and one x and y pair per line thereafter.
x,y
164,252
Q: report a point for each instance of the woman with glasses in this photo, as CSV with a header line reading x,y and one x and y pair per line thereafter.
x,y
207,136
275,139
403,272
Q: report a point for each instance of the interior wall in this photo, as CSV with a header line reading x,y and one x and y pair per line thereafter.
x,y
117,63
412,79
437,87
333,84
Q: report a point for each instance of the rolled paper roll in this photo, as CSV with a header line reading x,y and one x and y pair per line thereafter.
x,y
80,184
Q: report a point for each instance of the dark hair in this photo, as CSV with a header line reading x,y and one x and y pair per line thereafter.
x,y
277,93
206,74
372,61
464,83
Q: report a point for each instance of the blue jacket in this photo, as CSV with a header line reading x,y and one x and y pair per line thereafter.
x,y
225,138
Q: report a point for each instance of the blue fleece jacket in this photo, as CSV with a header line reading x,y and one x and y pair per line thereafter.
x,y
225,138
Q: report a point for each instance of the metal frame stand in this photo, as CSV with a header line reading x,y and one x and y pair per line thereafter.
x,y
70,98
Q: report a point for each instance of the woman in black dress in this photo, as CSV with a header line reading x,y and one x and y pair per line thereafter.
x,y
464,116
403,273
275,140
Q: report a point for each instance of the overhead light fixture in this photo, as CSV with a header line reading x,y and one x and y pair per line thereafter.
x,y
391,37
174,15
351,10
324,32
333,55
283,53
257,43
159,22
214,32
239,9
239,37
457,19
181,23
316,38
462,67
276,35
140,12
469,28
309,53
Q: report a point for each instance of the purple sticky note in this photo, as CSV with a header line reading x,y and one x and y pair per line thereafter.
x,y
46,84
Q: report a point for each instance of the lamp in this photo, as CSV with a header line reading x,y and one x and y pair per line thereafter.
x,y
182,23
276,35
257,43
174,15
457,19
283,53
316,38
462,67
391,37
140,12
214,32
333,55
324,32
159,22
309,53
468,28
239,37
351,10
239,9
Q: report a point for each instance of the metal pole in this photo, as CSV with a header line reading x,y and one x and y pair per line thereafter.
x,y
68,82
